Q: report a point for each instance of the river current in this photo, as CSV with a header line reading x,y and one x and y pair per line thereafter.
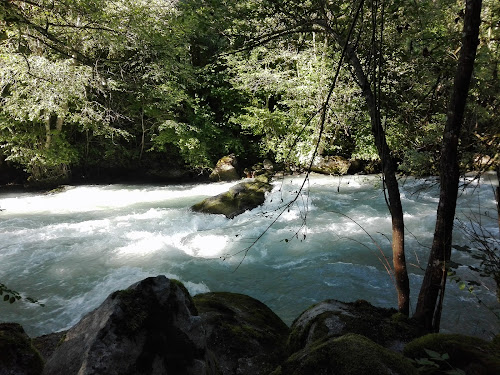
x,y
71,249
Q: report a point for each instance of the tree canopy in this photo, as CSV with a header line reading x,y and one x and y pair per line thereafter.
x,y
121,84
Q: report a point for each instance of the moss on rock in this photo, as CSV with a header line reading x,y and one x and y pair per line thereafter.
x,y
470,354
225,169
245,336
350,354
17,354
333,318
240,198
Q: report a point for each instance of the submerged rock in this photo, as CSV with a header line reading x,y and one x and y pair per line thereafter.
x,y
245,336
446,352
332,318
17,354
242,197
347,355
225,169
150,328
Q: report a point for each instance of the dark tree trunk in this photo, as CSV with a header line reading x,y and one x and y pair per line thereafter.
x,y
497,194
430,299
391,183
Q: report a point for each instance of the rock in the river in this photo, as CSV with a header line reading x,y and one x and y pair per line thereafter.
x,y
244,196
333,318
333,165
226,169
17,354
150,328
347,355
245,336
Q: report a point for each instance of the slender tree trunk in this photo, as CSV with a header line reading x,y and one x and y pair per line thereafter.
x,y
389,170
430,299
497,195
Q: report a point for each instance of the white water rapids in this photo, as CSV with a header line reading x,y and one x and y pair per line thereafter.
x,y
71,249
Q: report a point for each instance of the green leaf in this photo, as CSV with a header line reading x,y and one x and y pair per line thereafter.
x,y
426,362
456,371
12,299
432,354
6,297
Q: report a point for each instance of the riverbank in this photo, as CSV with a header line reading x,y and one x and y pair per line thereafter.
x,y
156,327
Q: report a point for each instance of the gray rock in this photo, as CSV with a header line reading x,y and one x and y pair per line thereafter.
x,y
331,165
47,344
150,328
346,355
225,169
332,318
245,336
17,354
242,197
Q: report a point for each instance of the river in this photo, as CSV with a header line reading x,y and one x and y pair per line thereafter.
x,y
71,249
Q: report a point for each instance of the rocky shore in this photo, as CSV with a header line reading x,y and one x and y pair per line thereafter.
x,y
155,327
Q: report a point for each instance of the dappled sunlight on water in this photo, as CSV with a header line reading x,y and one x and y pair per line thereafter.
x,y
70,250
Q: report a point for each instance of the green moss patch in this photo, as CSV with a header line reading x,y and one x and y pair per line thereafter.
x,y
470,354
333,318
240,198
350,354
17,354
244,334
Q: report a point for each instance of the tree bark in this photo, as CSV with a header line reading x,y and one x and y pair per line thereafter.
x,y
390,180
497,195
430,299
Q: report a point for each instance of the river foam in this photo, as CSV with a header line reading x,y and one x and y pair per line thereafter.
x,y
71,249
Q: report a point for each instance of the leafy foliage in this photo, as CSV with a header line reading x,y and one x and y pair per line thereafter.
x,y
12,296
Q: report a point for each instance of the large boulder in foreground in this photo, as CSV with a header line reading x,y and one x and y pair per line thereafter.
x,y
332,318
244,335
150,328
242,197
226,169
347,355
439,353
17,354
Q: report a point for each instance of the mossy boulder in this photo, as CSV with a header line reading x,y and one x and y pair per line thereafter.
x,y
17,354
226,169
244,335
438,353
332,318
150,328
331,165
242,197
350,354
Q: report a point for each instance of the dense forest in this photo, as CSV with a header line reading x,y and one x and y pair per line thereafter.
x,y
150,88
92,88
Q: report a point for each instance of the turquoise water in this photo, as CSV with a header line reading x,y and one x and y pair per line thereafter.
x,y
71,249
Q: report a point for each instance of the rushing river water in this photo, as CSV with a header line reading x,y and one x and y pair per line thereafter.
x,y
71,249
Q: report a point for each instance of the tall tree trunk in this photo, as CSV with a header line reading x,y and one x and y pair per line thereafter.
x,y
497,194
430,299
389,170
